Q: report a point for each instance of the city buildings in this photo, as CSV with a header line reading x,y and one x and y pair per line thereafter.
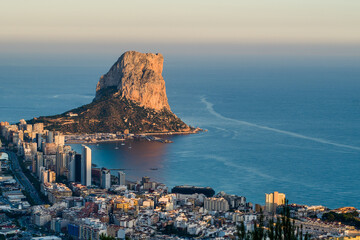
x,y
272,200
141,209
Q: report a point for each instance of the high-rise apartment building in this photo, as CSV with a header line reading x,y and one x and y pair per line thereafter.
x,y
50,137
78,168
51,176
44,175
272,200
121,176
39,140
39,162
29,127
105,178
60,159
59,139
86,166
145,180
75,168
216,204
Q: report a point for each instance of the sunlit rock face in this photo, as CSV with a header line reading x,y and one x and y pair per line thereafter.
x,y
137,77
131,97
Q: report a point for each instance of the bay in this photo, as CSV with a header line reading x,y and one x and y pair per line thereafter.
x,y
287,124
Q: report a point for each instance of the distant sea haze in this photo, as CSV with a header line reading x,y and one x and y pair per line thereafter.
x,y
291,126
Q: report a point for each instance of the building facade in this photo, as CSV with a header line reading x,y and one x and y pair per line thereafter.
x,y
121,176
216,204
86,166
272,200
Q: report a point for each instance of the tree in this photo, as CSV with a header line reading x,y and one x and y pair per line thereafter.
x,y
283,229
105,237
241,232
271,233
259,231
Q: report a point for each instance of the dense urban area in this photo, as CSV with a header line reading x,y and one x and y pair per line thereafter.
x,y
49,191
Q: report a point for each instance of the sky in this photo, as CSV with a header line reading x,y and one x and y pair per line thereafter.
x,y
177,27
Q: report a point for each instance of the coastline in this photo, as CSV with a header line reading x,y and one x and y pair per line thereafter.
x,y
111,137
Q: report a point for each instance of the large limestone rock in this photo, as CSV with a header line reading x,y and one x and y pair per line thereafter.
x,y
130,97
137,77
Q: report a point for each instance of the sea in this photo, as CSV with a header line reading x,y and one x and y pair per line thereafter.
x,y
287,123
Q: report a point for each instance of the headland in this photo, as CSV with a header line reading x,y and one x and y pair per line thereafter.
x,y
130,98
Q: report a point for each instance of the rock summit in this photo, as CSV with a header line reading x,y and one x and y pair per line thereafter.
x,y
137,77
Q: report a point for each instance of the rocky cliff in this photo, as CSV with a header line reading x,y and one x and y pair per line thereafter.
x,y
137,77
131,96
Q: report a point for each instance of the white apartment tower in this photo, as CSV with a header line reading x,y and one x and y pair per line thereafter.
x,y
86,166
39,163
105,179
121,176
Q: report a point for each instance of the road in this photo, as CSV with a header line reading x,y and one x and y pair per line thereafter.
x,y
22,179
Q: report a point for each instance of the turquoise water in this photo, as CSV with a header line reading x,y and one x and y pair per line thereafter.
x,y
288,125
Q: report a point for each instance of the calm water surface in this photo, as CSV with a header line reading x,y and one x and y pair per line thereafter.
x,y
289,125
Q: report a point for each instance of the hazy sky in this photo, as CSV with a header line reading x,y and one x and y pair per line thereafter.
x,y
88,25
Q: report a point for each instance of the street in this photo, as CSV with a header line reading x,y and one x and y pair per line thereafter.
x,y
22,179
